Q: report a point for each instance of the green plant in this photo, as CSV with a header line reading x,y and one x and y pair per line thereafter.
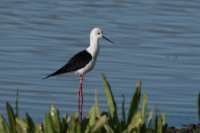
x,y
95,122
136,120
199,105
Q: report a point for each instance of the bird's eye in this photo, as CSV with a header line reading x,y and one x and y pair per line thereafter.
x,y
98,33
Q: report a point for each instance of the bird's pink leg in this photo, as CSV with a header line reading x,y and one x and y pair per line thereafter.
x,y
81,82
80,97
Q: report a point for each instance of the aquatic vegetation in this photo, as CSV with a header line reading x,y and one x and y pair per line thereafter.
x,y
136,120
199,105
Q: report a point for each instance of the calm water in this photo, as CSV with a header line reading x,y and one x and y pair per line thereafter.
x,y
156,42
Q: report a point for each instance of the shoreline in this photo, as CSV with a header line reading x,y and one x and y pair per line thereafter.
x,y
190,128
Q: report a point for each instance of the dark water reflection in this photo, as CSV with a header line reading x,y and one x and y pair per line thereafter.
x,y
156,42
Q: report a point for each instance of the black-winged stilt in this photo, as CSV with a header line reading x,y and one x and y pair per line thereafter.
x,y
83,62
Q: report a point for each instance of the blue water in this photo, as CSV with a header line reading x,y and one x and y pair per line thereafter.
x,y
156,42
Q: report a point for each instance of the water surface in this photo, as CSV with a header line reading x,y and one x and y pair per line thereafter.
x,y
156,42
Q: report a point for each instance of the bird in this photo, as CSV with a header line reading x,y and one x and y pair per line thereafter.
x,y
83,62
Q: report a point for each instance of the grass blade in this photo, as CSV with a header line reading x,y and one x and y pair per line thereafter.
x,y
75,125
21,126
64,124
123,119
47,125
159,124
135,101
150,117
144,107
163,116
17,103
97,108
110,100
11,118
3,125
54,119
199,105
135,123
92,116
99,124
30,123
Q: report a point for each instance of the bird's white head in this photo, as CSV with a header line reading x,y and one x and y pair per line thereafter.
x,y
96,33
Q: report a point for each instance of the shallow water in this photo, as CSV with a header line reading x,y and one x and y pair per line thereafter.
x,y
156,42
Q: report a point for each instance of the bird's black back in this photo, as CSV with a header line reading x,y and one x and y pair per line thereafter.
x,y
77,62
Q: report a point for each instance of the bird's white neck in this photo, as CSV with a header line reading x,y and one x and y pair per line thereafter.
x,y
93,49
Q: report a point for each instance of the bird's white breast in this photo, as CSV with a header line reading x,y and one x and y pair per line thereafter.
x,y
94,52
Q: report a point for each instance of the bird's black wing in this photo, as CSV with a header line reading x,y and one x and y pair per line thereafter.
x,y
78,61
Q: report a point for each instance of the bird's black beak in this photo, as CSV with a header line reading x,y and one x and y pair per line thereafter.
x,y
108,40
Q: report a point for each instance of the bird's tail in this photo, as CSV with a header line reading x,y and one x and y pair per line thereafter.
x,y
50,75
59,71
47,76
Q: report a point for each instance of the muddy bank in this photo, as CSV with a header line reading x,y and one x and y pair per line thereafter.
x,y
191,128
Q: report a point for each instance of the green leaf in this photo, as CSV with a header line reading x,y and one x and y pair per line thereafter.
x,y
64,124
74,125
135,101
163,116
54,119
97,108
92,116
110,101
150,117
123,120
21,126
30,123
99,124
144,107
135,123
47,125
143,128
3,125
159,124
11,118
108,128
17,103
39,128
199,105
